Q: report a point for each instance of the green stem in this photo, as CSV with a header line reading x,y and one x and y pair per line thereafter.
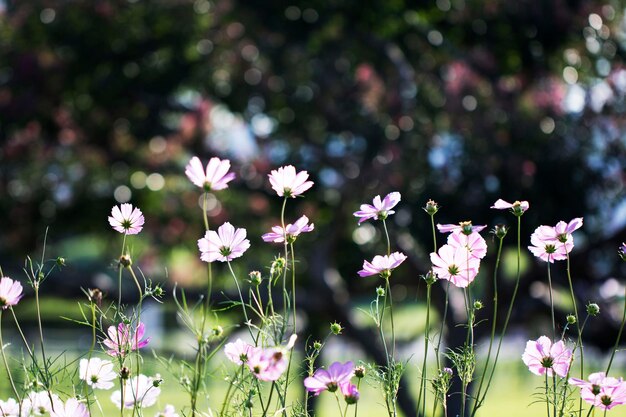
x,y
243,305
119,275
551,303
578,326
6,364
619,336
226,401
547,401
286,244
426,335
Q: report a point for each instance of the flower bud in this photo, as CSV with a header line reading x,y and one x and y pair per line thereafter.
x,y
431,207
217,331
359,372
248,403
380,291
466,228
60,261
125,372
255,278
571,319
593,309
126,261
157,381
95,296
317,345
500,231
335,328
622,251
277,266
430,277
478,305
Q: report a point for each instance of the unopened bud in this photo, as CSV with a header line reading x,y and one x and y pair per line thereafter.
x,y
478,305
317,345
218,331
125,372
157,291
60,261
336,328
500,231
157,381
95,296
571,319
255,278
126,261
380,291
593,309
430,277
431,207
359,372
277,266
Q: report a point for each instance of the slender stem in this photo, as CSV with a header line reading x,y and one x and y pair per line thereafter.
x,y
286,245
293,286
619,336
393,331
243,305
209,271
443,322
226,401
19,329
119,274
269,399
579,342
338,404
547,401
551,303
356,405
426,336
554,394
387,236
6,363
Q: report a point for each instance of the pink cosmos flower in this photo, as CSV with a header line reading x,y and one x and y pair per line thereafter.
x,y
97,373
139,391
268,364
71,408
338,374
456,265
286,182
474,243
39,403
518,207
10,292
350,392
216,176
382,265
122,340
380,209
601,391
277,235
462,227
126,219
224,245
621,251
169,411
238,351
9,408
549,249
543,357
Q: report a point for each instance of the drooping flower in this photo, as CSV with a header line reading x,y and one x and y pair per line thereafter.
x,y
382,265
168,411
549,249
122,339
71,408
456,265
141,391
330,380
39,403
289,183
9,408
277,235
379,209
350,392
224,245
97,373
474,243
126,219
216,176
543,357
238,351
10,292
601,391
518,207
462,227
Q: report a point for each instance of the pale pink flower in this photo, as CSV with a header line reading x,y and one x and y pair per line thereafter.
x,y
518,207
277,235
216,176
71,408
601,391
547,249
9,408
10,292
379,209
382,265
350,392
238,351
268,364
456,265
543,357
140,391
462,227
122,339
97,373
169,411
126,219
39,403
474,243
561,233
329,380
289,183
224,245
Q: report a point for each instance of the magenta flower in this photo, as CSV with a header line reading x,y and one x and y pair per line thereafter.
x,y
518,207
601,391
382,265
71,408
456,265
474,243
122,339
462,227
216,176
380,209
126,219
224,245
10,292
238,351
543,357
336,376
286,182
350,392
277,235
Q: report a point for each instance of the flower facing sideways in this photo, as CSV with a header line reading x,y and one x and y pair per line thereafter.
x,y
518,207
289,183
268,364
456,265
554,243
543,357
292,231
10,292
350,392
71,408
141,391
168,411
224,245
462,227
122,339
379,209
382,265
330,380
97,373
126,219
238,351
9,408
601,391
216,176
